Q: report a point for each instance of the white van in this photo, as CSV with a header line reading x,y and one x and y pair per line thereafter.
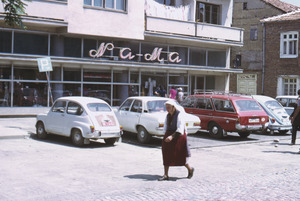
x,y
288,102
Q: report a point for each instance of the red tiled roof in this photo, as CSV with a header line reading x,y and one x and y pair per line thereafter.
x,y
286,7
284,17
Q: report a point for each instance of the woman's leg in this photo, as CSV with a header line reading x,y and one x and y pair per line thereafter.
x,y
190,170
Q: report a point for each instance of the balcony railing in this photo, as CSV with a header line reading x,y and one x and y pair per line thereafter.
x,y
194,29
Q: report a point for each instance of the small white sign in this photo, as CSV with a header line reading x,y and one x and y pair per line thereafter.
x,y
44,64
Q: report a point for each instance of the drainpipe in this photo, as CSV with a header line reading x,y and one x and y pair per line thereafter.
x,y
264,62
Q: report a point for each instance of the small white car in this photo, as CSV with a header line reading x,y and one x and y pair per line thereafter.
x,y
81,118
145,115
278,117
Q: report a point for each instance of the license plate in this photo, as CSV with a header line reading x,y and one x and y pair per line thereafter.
x,y
254,120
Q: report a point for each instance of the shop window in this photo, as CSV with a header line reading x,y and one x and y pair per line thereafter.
x,y
28,73
208,13
60,90
72,47
110,4
101,91
96,76
71,74
197,57
27,43
210,82
289,44
56,74
4,94
216,58
30,94
121,76
5,41
5,72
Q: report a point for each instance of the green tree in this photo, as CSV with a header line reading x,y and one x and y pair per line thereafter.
x,y
14,10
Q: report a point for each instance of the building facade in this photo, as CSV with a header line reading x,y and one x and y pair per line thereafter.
x,y
282,66
247,15
114,49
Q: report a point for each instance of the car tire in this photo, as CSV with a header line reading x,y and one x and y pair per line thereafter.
x,y
40,130
110,141
244,134
143,136
282,132
216,131
77,138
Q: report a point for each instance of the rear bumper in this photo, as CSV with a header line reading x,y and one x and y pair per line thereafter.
x,y
280,127
104,135
251,127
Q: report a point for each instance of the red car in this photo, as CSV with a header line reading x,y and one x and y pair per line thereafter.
x,y
220,114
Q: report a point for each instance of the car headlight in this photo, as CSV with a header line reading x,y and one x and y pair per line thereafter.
x,y
263,119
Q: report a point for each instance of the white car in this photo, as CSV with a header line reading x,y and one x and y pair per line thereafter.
x,y
82,119
145,115
278,117
288,103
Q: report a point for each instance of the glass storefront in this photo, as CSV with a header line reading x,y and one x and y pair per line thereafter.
x,y
24,86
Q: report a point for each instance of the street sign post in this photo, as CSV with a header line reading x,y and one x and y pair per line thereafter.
x,y
45,65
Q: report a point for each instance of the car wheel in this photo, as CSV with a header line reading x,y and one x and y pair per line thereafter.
x,y
143,135
244,134
215,131
282,132
77,138
110,141
40,131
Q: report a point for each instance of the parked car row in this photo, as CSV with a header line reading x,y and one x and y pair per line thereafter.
x,y
86,118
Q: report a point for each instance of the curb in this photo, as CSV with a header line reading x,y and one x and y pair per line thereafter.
x,y
5,137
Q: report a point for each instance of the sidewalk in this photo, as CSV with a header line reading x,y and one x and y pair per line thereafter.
x,y
21,111
12,128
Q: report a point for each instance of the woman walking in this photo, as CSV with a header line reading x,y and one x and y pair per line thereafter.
x,y
174,145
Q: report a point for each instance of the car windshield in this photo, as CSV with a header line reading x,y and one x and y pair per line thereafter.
x,y
248,105
273,105
98,107
156,106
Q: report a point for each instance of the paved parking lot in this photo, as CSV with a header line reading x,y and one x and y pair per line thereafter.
x,y
53,169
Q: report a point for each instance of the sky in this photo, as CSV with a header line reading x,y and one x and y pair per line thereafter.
x,y
295,2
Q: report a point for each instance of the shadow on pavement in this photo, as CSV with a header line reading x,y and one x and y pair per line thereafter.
x,y
283,152
231,137
66,141
131,138
149,177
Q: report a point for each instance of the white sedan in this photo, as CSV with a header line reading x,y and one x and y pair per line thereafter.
x,y
82,119
145,115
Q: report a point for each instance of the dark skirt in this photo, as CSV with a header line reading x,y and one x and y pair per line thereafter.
x,y
175,152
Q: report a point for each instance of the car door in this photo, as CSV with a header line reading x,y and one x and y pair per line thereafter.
x,y
225,114
122,114
73,114
204,110
56,118
134,115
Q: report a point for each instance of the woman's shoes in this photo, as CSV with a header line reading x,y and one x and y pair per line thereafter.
x,y
191,173
163,178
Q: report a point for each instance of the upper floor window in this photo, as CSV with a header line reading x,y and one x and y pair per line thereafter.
x,y
166,2
110,4
289,44
253,33
289,86
245,6
208,13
